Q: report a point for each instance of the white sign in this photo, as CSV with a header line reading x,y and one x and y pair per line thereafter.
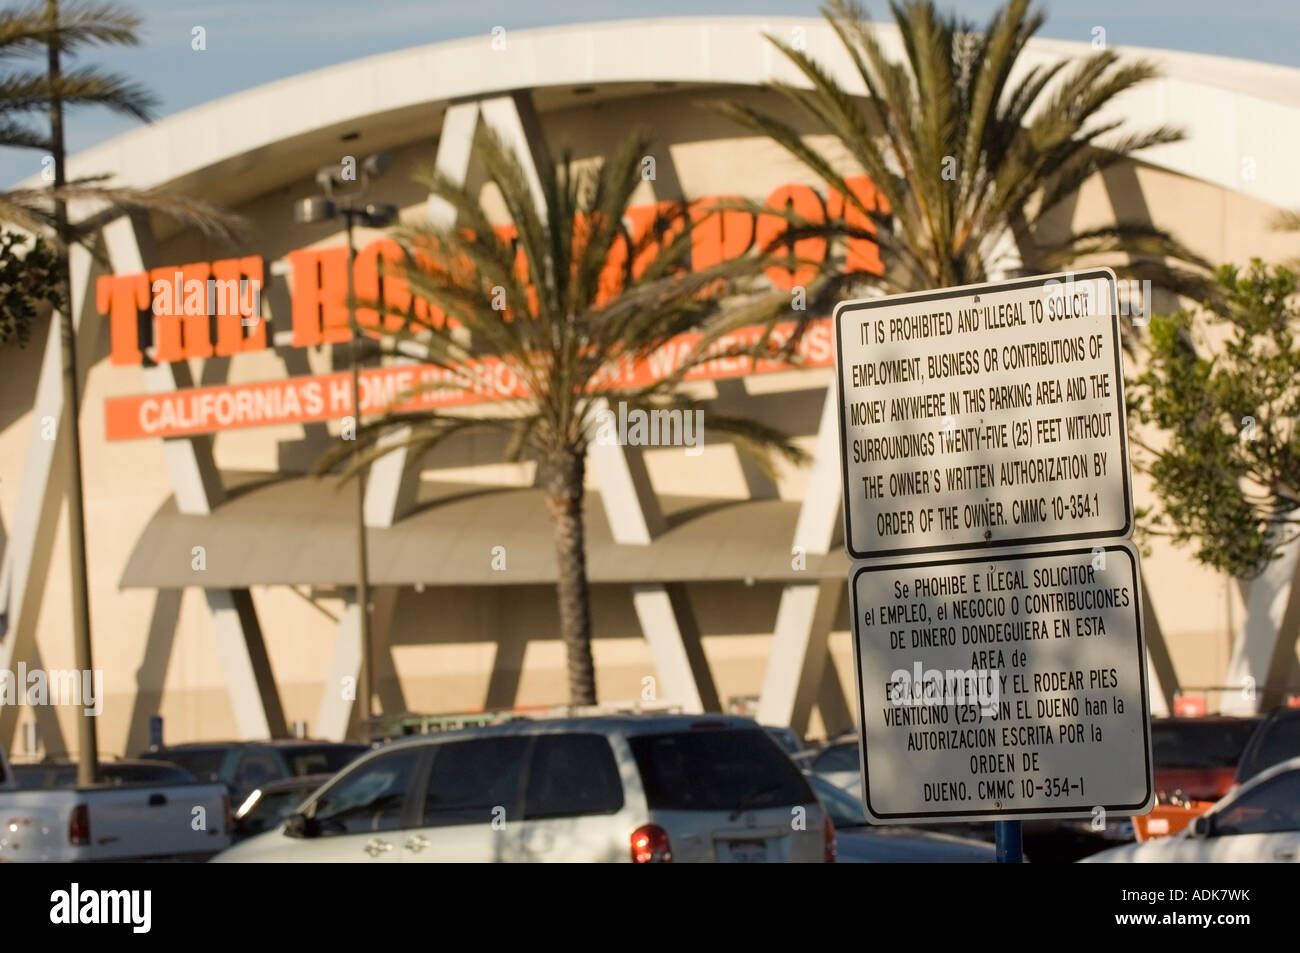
x,y
1003,689
988,415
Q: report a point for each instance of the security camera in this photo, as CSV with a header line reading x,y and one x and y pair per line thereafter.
x,y
376,165
379,214
327,177
316,208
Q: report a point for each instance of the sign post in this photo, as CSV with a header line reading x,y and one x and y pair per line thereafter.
x,y
1008,844
996,600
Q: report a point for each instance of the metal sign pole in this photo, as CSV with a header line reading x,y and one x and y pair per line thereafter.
x,y
1009,844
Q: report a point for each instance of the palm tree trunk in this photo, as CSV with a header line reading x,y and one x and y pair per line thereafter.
x,y
87,741
564,496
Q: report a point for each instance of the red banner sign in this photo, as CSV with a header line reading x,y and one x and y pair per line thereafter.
x,y
329,396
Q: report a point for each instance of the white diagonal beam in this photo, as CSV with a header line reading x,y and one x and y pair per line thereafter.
x,y
393,481
1260,648
807,610
197,489
338,699
664,611
631,507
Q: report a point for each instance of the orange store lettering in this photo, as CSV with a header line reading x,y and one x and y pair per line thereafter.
x,y
155,319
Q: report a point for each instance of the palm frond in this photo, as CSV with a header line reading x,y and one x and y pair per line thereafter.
x,y
187,210
80,25
1019,149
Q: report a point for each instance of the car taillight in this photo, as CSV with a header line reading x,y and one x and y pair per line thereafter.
x,y
227,814
650,845
79,826
829,848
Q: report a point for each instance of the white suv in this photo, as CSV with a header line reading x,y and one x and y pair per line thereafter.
x,y
642,789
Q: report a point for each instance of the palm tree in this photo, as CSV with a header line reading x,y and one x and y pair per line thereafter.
x,y
52,31
559,297
26,93
970,165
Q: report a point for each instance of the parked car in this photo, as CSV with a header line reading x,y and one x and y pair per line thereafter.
x,y
859,842
244,766
1195,759
787,738
1258,822
63,774
123,820
839,763
645,789
1276,739
269,805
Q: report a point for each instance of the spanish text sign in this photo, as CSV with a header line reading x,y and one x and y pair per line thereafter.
x,y
1005,688
987,415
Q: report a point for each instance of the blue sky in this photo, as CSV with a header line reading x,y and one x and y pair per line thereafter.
x,y
250,42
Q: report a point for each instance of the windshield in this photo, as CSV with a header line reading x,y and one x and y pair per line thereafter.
x,y
722,770
275,806
845,810
1280,740
204,763
1197,744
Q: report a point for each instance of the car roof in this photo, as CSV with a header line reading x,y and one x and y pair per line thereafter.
x,y
301,781
1283,712
593,724
118,763
273,743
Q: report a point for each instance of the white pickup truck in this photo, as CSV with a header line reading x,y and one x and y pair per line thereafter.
x,y
114,821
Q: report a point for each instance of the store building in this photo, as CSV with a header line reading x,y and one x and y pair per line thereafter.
x,y
222,575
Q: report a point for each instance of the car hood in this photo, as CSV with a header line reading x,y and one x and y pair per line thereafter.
x,y
1124,854
907,844
267,846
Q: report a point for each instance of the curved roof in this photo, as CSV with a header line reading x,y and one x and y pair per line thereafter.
x,y
1232,110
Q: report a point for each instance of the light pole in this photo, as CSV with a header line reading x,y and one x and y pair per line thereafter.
x,y
352,209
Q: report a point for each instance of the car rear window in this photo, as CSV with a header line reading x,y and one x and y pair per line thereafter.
x,y
717,770
33,777
204,763
326,759
145,774
54,776
1199,744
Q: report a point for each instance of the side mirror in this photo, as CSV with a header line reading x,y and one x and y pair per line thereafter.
x,y
300,825
1203,826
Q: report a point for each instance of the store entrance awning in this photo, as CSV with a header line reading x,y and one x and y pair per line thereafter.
x,y
301,531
